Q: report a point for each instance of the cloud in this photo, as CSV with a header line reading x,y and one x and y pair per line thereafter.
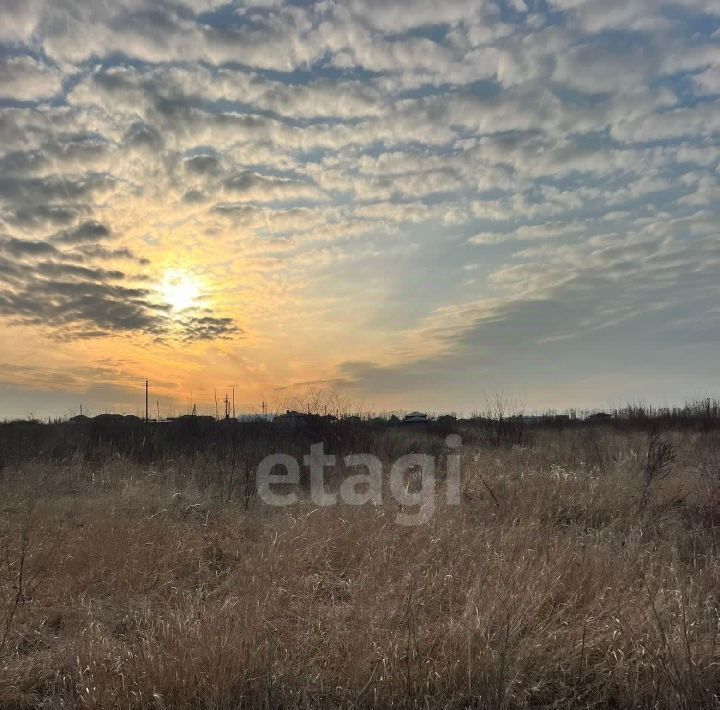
x,y
42,216
708,82
21,247
621,296
26,79
264,188
54,289
19,20
528,232
77,306
91,231
205,327
405,15
51,188
327,162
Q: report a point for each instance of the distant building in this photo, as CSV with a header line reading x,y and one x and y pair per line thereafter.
x,y
292,418
529,418
447,419
415,418
116,419
539,419
192,420
79,419
600,417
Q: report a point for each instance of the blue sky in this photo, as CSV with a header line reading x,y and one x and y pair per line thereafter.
x,y
418,204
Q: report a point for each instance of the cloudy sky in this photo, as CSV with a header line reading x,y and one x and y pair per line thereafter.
x,y
418,203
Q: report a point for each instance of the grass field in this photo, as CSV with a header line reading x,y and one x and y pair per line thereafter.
x,y
580,570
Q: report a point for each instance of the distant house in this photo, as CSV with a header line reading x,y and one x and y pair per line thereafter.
x,y
447,419
600,417
540,419
529,418
415,418
292,418
79,419
116,419
192,421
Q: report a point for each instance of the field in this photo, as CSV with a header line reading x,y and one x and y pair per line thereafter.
x,y
580,569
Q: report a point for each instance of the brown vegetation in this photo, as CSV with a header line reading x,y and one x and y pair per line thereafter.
x,y
580,570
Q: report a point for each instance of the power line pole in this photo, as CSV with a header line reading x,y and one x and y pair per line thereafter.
x,y
147,414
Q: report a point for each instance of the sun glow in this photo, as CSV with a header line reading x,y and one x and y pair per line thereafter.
x,y
179,290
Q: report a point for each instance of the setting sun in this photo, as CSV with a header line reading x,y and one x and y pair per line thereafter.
x,y
384,331
179,290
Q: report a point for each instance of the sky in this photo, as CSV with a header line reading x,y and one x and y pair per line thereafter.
x,y
417,204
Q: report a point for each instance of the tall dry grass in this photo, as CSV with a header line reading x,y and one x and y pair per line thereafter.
x,y
566,578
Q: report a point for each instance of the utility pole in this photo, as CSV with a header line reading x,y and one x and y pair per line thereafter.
x,y
147,414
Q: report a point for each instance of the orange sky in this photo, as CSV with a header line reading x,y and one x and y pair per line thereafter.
x,y
417,204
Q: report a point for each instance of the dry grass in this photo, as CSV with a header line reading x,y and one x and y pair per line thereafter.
x,y
583,585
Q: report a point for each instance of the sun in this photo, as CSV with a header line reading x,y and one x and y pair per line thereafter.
x,y
179,290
